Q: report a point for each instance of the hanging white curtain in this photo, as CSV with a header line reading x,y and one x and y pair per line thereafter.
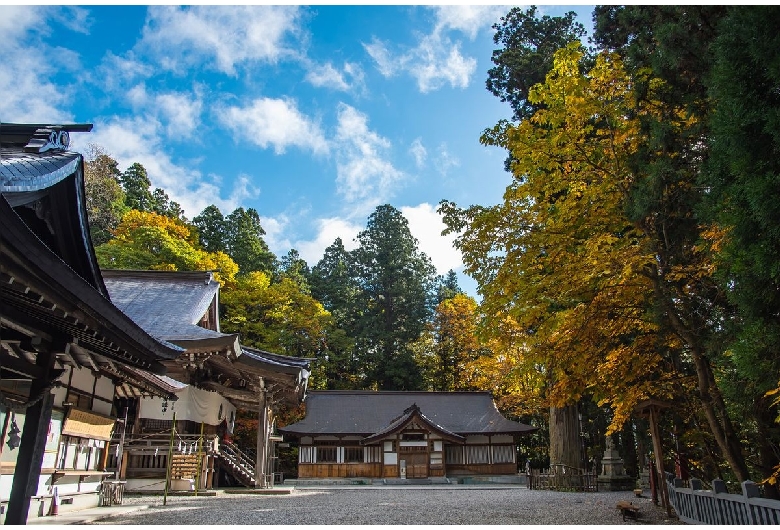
x,y
194,404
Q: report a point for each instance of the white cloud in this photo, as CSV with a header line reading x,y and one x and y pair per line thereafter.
x,y
418,151
182,112
364,172
179,111
328,230
130,140
437,61
26,70
445,160
350,77
426,226
469,19
385,62
15,21
221,37
116,72
434,62
273,122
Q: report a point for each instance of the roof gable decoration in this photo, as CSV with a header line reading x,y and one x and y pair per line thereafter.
x,y
40,138
48,139
413,416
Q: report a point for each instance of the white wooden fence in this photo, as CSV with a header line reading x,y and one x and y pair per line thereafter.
x,y
696,506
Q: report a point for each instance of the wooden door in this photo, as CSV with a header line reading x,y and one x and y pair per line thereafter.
x,y
416,461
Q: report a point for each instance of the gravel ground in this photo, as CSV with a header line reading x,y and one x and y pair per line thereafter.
x,y
369,505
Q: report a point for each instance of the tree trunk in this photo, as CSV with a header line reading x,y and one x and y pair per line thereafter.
x,y
565,444
628,446
709,394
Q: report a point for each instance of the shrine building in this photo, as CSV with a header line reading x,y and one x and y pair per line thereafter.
x,y
406,435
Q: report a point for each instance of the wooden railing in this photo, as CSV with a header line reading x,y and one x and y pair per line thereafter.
x,y
696,506
562,478
147,454
240,464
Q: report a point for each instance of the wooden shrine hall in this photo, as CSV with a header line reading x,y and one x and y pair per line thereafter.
x,y
63,344
404,435
182,308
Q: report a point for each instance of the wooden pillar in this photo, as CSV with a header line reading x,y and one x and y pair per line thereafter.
x,y
210,472
123,468
3,432
36,428
104,459
262,433
659,461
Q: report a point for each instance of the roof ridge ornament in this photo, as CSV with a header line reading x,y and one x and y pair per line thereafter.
x,y
48,138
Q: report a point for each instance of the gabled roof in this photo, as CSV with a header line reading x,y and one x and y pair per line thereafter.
x,y
284,378
366,413
169,305
408,417
44,183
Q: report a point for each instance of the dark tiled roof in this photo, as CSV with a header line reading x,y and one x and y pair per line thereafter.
x,y
365,413
25,172
283,363
408,416
166,304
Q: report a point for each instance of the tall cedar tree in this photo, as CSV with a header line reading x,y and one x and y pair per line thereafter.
x,y
245,242
395,281
212,229
744,181
136,184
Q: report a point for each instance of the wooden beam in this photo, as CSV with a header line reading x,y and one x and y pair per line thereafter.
x,y
29,370
36,427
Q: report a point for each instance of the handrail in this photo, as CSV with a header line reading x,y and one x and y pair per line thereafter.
x,y
237,454
238,459
697,506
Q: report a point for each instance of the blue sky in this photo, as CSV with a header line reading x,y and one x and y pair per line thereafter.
x,y
312,115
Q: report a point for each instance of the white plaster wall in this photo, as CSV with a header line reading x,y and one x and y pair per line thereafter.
x,y
82,380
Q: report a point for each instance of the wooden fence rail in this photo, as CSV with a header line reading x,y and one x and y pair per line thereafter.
x,y
561,478
696,506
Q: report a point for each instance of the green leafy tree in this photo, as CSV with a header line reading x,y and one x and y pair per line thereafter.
x,y
105,197
333,283
212,229
136,184
446,287
295,268
669,51
743,179
395,281
528,44
149,241
163,205
245,243
278,317
456,343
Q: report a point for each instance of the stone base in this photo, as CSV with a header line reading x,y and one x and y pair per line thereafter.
x,y
620,483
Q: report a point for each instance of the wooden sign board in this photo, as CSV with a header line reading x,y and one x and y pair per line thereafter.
x,y
88,425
